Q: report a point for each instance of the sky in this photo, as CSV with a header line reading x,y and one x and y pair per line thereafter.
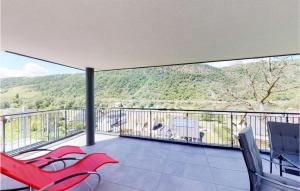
x,y
244,61
12,65
230,63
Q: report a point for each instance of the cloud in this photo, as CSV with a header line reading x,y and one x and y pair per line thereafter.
x,y
230,63
28,70
223,64
247,61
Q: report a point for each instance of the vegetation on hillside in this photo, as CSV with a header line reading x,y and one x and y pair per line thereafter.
x,y
198,86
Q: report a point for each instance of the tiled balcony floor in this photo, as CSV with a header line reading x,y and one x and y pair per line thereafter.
x,y
155,166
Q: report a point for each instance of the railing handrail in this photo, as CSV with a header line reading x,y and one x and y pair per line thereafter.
x,y
39,111
158,109
207,110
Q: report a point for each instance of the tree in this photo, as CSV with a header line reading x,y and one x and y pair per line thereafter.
x,y
38,104
4,105
255,85
16,101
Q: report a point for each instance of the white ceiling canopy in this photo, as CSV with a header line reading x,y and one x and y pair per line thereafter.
x,y
116,34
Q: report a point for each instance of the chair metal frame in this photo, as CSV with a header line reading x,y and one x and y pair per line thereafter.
x,y
260,176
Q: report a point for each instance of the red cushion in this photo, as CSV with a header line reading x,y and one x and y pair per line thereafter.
x,y
57,153
38,178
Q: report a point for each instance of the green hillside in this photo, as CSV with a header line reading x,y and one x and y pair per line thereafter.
x,y
196,86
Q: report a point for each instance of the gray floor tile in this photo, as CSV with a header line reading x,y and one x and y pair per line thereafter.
x,y
9,183
193,158
151,152
223,153
104,185
235,179
108,186
174,168
120,156
227,163
187,149
107,170
147,163
158,145
198,172
226,188
83,186
177,156
135,178
116,147
174,183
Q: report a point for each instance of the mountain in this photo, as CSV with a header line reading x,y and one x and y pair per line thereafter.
x,y
196,86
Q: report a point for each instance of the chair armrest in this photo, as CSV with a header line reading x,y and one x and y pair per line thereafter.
x,y
68,177
275,162
290,162
33,150
278,183
16,189
53,160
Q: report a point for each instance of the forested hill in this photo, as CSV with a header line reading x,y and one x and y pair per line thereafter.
x,y
188,86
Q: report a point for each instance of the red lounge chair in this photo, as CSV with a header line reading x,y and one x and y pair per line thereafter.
x,y
53,156
63,179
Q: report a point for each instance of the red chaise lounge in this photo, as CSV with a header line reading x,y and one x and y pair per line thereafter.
x,y
62,179
53,156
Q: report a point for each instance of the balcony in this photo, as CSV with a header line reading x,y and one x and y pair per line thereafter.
x,y
174,155
152,165
157,149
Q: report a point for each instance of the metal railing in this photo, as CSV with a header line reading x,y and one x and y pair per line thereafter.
x,y
32,129
202,127
198,127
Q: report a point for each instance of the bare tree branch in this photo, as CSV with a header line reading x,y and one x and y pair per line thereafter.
x,y
266,77
249,104
252,83
285,89
262,81
269,91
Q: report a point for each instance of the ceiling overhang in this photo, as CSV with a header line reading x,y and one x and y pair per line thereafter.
x,y
114,34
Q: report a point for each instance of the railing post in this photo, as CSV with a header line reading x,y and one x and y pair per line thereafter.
x,y
2,123
287,118
83,118
120,122
187,127
150,124
24,127
57,123
231,128
42,126
66,123
55,126
96,119
48,126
